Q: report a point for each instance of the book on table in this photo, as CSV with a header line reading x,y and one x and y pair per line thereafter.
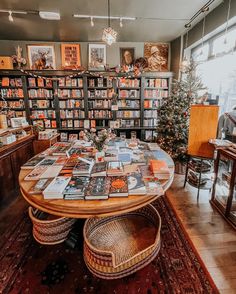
x,y
159,168
136,184
32,163
98,188
99,169
76,188
56,188
124,157
115,168
118,186
39,186
35,174
51,172
47,161
82,169
111,154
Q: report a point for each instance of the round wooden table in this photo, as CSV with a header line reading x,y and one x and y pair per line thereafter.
x,y
88,208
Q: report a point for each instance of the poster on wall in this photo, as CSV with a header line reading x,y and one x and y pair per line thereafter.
x,y
70,56
127,56
157,56
41,57
96,56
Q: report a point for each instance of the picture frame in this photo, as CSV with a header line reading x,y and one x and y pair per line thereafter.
x,y
127,56
96,56
157,55
41,57
70,56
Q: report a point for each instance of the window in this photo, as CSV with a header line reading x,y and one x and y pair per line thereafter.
x,y
217,68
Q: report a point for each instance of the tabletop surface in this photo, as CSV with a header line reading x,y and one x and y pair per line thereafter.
x,y
89,208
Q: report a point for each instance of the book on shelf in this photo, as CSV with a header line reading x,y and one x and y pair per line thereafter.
x,y
56,188
99,169
39,186
51,172
129,83
115,168
32,163
118,186
48,83
76,186
35,174
63,137
12,93
32,82
40,93
136,184
40,82
98,188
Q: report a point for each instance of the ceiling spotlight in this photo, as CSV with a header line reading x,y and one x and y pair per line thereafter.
x,y
121,23
10,17
91,21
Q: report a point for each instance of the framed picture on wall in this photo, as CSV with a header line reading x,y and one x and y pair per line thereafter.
x,y
70,56
96,56
157,56
127,56
41,57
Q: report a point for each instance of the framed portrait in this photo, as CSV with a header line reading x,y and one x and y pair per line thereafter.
x,y
127,56
96,56
70,56
157,56
41,57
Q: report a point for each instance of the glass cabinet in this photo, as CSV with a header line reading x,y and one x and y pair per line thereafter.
x,y
224,188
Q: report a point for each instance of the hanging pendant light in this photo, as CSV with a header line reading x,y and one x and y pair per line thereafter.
x,y
109,35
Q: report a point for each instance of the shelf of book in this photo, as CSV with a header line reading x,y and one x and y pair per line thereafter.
x,y
87,101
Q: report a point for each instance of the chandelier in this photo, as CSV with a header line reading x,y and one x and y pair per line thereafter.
x,y
109,35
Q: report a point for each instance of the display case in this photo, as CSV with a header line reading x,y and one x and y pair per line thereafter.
x,y
224,188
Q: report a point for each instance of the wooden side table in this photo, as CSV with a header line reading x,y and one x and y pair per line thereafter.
x,y
42,145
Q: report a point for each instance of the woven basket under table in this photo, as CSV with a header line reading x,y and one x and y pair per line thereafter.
x,y
118,246
50,231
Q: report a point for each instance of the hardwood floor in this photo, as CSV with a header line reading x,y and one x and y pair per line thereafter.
x,y
214,239
212,236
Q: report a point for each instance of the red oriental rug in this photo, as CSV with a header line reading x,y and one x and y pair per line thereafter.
x,y
27,267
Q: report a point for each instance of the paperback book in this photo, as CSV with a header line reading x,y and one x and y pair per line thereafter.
x,y
136,184
51,172
82,169
76,186
55,189
119,186
115,168
98,188
39,186
99,169
35,174
32,163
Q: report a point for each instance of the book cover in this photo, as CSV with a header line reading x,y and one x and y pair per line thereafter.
x,y
32,163
98,188
35,174
55,189
76,186
32,82
48,161
82,168
136,184
39,186
118,186
51,171
99,169
115,168
40,82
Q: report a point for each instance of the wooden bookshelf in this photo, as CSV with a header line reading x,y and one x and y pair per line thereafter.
x,y
67,103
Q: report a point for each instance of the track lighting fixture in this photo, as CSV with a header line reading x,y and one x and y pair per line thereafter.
x,y
91,22
10,17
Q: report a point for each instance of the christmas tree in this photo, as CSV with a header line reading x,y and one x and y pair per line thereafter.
x,y
172,130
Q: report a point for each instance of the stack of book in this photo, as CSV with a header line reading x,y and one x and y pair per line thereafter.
x,y
76,188
82,169
98,188
159,168
119,186
56,188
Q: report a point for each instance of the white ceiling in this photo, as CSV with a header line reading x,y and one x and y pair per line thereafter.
x,y
157,20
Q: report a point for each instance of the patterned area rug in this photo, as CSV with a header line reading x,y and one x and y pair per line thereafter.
x,y
27,267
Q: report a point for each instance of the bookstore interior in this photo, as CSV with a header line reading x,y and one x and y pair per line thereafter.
x,y
118,146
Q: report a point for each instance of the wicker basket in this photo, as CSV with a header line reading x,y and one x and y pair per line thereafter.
x,y
118,246
49,231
